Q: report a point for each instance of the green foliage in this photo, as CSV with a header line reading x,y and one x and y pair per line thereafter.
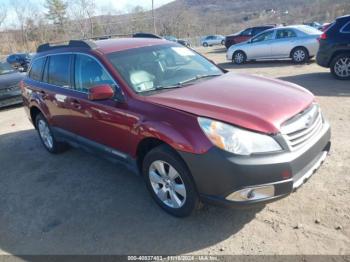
x,y
57,11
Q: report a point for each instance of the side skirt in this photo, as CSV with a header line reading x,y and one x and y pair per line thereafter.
x,y
95,148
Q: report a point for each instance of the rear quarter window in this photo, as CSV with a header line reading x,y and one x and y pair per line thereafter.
x,y
36,70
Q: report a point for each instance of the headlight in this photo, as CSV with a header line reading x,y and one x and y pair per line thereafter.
x,y
236,140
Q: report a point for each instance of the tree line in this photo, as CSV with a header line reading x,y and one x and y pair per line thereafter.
x,y
61,20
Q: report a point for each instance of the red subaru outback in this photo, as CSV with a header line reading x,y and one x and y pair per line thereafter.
x,y
194,131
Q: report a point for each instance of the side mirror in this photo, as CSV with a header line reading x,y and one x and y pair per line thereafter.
x,y
101,92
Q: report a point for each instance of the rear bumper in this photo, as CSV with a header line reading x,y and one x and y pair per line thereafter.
x,y
323,59
220,176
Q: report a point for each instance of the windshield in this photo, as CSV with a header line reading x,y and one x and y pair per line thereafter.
x,y
161,67
5,68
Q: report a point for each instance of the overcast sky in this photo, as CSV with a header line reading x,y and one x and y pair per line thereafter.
x,y
111,5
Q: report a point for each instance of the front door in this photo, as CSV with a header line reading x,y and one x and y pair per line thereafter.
x,y
260,46
105,122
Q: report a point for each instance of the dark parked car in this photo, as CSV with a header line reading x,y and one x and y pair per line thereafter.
x,y
19,61
10,93
245,35
334,51
180,41
184,42
194,131
146,35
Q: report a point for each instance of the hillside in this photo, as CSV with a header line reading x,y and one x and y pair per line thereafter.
x,y
226,16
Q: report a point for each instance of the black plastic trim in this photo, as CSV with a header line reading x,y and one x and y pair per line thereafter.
x,y
93,147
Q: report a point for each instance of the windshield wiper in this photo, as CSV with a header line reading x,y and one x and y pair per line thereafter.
x,y
197,77
182,83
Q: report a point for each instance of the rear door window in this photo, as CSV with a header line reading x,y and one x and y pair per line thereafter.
x,y
59,70
285,33
36,70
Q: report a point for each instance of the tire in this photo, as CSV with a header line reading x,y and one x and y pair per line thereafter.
x,y
47,137
205,44
340,67
169,181
239,57
223,42
300,55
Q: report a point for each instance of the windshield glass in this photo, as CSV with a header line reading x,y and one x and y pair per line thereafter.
x,y
5,68
160,67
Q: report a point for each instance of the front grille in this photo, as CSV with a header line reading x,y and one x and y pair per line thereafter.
x,y
298,130
8,89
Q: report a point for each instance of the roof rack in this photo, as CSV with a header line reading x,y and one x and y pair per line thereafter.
x,y
72,43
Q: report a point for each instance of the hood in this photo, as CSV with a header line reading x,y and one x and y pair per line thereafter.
x,y
235,34
11,79
253,102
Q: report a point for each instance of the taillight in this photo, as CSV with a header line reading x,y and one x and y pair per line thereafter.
x,y
323,36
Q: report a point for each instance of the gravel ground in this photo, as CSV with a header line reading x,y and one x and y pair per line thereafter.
x,y
76,203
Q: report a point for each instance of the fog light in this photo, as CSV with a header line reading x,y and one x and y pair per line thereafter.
x,y
252,193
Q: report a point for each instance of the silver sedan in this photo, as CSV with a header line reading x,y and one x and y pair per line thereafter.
x,y
296,42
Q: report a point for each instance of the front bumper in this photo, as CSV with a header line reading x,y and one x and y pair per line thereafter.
x,y
11,98
218,174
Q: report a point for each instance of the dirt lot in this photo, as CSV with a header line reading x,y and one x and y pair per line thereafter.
x,y
75,203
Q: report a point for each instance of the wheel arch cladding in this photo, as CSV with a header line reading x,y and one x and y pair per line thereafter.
x,y
339,52
144,146
34,111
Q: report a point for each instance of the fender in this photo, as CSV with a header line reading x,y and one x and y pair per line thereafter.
x,y
179,139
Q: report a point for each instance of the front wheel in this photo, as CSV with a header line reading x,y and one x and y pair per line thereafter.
x,y
169,182
300,55
205,44
340,67
223,42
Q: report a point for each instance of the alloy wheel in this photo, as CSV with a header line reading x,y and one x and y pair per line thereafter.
x,y
167,184
342,67
45,133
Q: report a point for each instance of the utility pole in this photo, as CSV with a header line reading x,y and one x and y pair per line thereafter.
x,y
154,19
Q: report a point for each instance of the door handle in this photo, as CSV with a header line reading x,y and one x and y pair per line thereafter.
x,y
76,104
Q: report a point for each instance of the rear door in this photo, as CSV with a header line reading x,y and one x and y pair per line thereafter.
x,y
49,82
284,43
58,79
